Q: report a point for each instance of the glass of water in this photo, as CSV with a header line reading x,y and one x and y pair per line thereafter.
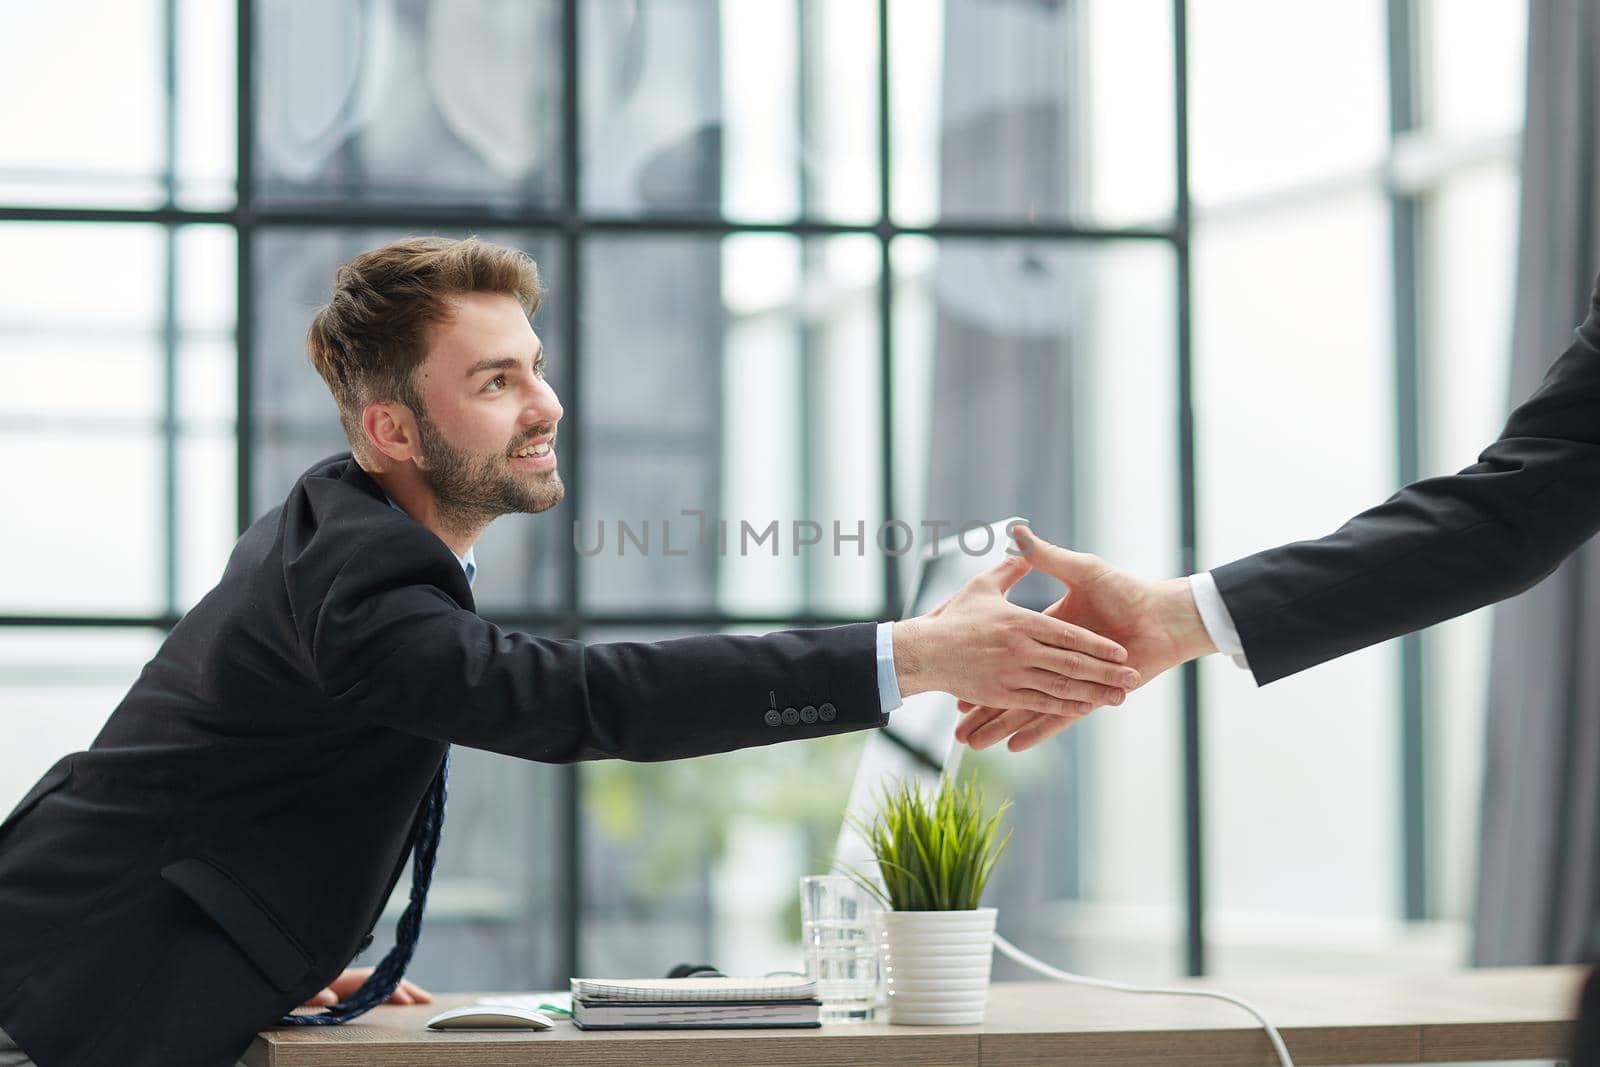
x,y
838,931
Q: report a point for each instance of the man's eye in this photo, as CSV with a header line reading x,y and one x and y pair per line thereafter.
x,y
539,369
495,384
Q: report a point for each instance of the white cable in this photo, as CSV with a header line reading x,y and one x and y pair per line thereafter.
x,y
1006,948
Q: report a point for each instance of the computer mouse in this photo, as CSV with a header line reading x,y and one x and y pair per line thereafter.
x,y
491,1017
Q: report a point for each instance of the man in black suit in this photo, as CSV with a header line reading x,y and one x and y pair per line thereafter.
x,y
1436,549
180,885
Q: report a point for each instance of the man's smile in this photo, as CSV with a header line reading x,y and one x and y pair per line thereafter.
x,y
537,454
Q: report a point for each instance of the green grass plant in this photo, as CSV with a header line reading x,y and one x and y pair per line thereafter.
x,y
935,849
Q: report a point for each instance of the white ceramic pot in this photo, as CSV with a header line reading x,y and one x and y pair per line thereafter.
x,y
936,965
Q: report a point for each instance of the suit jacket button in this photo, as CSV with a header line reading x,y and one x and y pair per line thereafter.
x,y
366,943
808,714
773,717
826,712
790,716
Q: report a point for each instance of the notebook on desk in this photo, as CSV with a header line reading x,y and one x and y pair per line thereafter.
x,y
696,990
694,1003
695,1015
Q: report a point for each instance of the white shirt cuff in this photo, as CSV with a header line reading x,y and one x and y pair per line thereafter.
x,y
888,680
1214,614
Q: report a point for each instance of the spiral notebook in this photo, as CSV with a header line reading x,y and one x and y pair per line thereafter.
x,y
778,988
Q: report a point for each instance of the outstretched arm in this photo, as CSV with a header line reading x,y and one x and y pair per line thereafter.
x,y
392,648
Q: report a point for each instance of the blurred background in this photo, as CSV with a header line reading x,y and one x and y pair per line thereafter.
x,y
1176,281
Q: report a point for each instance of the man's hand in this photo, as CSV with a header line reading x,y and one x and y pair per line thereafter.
x,y
1157,622
982,648
350,981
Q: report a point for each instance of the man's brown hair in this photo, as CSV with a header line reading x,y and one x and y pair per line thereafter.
x,y
367,341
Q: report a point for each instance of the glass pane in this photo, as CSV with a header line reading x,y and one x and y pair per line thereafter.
x,y
1295,427
1035,378
520,558
207,466
57,688
738,379
700,860
1283,95
409,102
94,130
80,406
207,310
750,110
1036,112
60,559
207,378
1474,59
1470,255
105,356
76,348
102,137
208,83
206,397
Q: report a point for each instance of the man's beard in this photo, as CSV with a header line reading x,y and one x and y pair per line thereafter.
x,y
471,491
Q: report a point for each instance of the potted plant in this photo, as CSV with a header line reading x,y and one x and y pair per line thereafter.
x,y
935,853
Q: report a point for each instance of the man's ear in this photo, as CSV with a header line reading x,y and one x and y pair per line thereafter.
x,y
391,430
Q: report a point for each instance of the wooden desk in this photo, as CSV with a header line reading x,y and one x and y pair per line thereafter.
x,y
1491,1014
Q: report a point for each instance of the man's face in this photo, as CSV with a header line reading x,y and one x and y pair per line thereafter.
x,y
488,429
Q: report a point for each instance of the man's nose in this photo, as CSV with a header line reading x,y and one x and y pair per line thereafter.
x,y
543,404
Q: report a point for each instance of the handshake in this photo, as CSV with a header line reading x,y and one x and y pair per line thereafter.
x,y
1028,675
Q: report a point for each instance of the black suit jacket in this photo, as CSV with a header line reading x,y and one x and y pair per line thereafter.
x,y
1439,548
181,885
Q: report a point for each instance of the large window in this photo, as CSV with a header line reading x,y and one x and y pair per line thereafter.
x,y
1354,249
1152,274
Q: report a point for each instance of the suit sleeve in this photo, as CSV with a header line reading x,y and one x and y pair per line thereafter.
x,y
393,648
1439,547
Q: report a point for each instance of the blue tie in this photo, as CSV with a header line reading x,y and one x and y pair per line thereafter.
x,y
386,976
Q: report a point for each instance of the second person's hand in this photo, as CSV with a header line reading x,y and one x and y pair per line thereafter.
x,y
982,648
